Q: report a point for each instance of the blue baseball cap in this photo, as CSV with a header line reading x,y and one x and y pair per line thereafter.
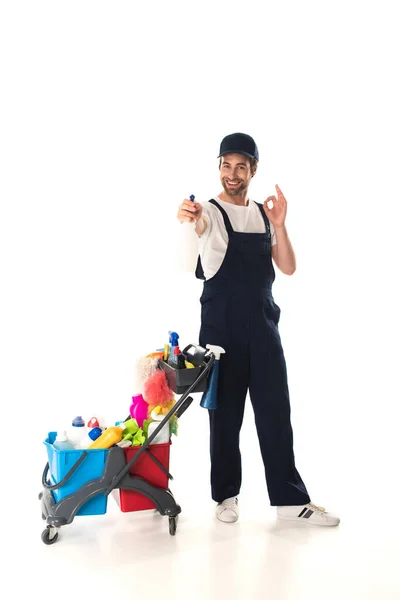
x,y
239,143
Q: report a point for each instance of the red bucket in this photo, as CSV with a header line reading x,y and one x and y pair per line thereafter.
x,y
145,468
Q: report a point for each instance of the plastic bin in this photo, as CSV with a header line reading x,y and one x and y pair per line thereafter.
x,y
148,470
180,379
92,467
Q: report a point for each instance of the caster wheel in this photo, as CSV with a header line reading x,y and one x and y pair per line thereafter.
x,y
43,517
46,539
173,523
40,495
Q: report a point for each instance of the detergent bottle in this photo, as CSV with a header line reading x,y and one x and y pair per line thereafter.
x,y
139,409
77,432
97,421
62,442
109,437
162,436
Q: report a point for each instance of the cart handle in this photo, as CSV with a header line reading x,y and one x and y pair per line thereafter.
x,y
48,485
195,354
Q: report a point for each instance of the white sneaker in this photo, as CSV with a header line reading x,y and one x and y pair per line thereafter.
x,y
308,513
228,510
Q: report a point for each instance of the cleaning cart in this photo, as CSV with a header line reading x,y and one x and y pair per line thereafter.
x,y
110,468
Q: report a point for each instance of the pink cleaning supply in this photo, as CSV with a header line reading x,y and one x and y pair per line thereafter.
x,y
156,389
139,409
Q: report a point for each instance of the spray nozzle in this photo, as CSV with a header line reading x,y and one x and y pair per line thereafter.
x,y
217,350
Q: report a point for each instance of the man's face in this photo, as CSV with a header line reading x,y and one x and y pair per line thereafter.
x,y
235,174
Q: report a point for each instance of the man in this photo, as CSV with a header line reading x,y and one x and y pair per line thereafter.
x,y
238,240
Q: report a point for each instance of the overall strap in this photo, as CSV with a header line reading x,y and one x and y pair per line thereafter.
x,y
265,219
227,222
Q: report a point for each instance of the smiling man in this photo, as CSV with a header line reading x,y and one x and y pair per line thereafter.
x,y
239,240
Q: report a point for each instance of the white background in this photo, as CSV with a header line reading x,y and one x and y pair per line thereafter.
x,y
111,114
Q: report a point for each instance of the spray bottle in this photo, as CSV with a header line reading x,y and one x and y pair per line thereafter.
x,y
190,245
209,398
173,342
176,360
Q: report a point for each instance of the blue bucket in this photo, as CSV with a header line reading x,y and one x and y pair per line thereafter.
x,y
92,467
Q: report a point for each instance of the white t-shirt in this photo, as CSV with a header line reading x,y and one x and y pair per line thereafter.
x,y
214,241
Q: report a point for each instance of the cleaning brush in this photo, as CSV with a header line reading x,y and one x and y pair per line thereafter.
x,y
156,389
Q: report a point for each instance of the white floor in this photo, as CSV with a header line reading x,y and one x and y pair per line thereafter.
x,y
132,555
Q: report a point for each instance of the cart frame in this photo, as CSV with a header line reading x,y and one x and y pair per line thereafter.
x,y
116,472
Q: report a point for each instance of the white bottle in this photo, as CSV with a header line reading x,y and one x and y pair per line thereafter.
x,y
190,248
187,246
62,442
78,432
164,435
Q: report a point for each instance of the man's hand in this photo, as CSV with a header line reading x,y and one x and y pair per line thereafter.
x,y
189,211
276,214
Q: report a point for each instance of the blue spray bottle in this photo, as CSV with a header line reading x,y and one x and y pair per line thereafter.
x,y
209,398
173,342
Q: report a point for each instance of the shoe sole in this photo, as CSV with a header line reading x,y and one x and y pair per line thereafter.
x,y
233,519
306,522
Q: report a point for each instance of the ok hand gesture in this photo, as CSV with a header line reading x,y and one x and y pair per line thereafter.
x,y
277,214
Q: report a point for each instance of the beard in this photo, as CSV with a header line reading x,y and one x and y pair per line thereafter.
x,y
239,189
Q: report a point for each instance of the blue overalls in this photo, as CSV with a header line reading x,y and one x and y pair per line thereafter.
x,y
238,312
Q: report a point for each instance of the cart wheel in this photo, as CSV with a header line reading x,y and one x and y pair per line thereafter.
x,y
40,495
173,523
46,539
43,517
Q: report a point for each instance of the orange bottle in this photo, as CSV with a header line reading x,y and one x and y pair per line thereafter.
x,y
109,437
